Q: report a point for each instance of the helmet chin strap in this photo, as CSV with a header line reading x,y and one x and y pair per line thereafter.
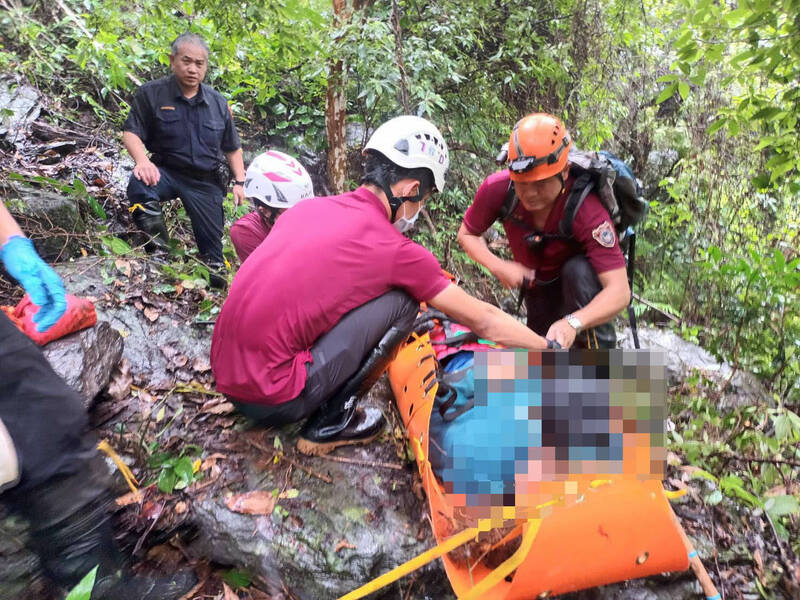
x,y
396,202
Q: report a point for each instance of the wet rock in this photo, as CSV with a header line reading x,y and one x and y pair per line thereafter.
x,y
682,358
150,346
49,218
86,359
23,103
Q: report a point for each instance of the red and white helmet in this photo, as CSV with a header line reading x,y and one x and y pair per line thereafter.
x,y
278,180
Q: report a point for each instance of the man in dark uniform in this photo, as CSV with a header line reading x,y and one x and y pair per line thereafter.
x,y
51,472
575,285
187,128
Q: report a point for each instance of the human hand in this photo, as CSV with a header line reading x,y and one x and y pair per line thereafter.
x,y
562,332
513,274
147,172
40,281
238,194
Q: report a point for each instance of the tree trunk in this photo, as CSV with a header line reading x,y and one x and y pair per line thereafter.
x,y
336,112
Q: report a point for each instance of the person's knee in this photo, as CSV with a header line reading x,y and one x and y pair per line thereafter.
x,y
406,308
578,268
9,461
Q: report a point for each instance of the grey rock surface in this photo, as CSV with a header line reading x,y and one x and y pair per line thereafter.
x,y
682,358
148,345
86,359
23,102
49,218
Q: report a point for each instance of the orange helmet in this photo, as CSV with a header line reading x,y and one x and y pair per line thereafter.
x,y
538,148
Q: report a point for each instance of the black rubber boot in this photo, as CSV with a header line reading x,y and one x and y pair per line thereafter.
x,y
340,421
217,273
71,533
149,218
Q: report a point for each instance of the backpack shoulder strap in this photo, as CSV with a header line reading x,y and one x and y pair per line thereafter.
x,y
580,189
509,203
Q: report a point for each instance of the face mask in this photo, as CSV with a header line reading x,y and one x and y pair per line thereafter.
x,y
403,224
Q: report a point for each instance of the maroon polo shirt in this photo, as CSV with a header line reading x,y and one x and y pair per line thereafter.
x,y
247,233
593,232
322,259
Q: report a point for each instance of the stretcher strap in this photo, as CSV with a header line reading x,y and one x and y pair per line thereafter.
x,y
510,565
415,563
123,468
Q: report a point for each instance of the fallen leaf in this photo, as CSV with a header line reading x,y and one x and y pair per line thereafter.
x,y
120,385
201,365
217,406
758,559
123,266
228,593
130,498
180,360
344,544
152,314
181,507
252,503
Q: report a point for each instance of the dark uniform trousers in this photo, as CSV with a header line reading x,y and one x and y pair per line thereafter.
x,y
339,353
201,199
575,287
64,485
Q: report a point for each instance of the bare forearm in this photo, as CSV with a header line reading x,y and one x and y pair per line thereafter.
x,y
605,305
504,329
135,147
477,249
236,161
8,226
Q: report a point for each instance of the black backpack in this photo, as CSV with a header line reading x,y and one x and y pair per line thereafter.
x,y
620,193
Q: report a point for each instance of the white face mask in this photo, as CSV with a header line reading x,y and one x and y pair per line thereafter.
x,y
403,224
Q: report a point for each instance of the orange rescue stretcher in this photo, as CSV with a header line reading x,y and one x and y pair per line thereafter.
x,y
618,529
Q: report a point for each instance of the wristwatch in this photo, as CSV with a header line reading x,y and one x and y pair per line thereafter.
x,y
574,322
237,182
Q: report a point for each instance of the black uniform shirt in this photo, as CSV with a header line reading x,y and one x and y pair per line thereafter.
x,y
190,133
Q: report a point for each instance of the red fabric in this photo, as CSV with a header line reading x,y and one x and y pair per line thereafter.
x,y
247,233
80,314
591,215
323,258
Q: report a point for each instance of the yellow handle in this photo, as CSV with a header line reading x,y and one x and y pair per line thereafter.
x,y
499,574
415,563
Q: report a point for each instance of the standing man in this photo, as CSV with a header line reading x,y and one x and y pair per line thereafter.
x,y
575,283
51,472
316,312
188,129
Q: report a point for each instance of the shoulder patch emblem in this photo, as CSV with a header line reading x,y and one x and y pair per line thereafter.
x,y
604,235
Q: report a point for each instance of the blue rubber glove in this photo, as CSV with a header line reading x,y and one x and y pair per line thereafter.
x,y
39,280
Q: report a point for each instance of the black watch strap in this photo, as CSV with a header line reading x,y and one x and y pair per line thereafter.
x,y
238,182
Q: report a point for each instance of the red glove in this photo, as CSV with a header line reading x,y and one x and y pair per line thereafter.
x,y
80,314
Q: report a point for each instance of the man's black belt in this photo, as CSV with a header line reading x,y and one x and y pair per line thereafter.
x,y
191,172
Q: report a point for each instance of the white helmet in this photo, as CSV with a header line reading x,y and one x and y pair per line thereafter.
x,y
278,180
412,142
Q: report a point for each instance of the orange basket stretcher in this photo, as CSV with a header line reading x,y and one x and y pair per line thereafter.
x,y
618,528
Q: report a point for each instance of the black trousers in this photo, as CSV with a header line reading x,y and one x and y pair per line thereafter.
x,y
338,354
576,286
44,417
201,199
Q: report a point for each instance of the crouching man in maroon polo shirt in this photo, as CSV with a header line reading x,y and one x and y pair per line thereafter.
x,y
575,283
316,312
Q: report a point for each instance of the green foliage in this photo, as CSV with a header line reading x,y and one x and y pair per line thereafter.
x,y
176,472
83,590
237,578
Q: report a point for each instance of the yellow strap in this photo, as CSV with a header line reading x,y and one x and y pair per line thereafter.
x,y
500,573
674,495
415,563
123,468
136,206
